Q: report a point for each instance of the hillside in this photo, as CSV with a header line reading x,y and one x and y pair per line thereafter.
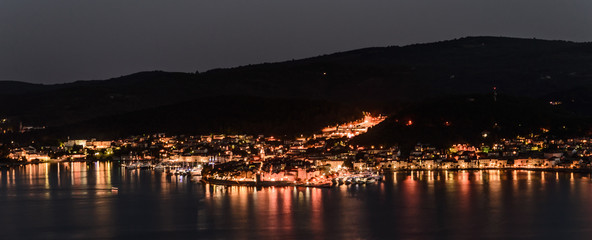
x,y
384,79
224,114
474,119
464,66
16,88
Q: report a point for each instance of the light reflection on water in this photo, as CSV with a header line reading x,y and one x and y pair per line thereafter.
x,y
417,204
75,200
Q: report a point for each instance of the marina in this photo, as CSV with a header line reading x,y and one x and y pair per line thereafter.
x,y
289,120
105,200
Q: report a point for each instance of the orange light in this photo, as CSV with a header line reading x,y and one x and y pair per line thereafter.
x,y
409,123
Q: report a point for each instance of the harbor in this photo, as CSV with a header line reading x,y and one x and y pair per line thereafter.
x,y
118,202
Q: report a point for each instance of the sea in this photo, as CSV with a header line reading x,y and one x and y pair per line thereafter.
x,y
101,200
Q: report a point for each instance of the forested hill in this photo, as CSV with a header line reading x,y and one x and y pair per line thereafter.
x,y
475,119
382,78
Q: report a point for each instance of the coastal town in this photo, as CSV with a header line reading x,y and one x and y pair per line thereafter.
x,y
323,159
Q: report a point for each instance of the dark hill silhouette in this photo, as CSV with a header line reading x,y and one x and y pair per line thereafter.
x,y
214,115
83,100
16,88
464,66
465,119
383,79
577,100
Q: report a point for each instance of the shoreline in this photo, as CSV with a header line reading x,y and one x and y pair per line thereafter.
x,y
247,183
293,184
576,170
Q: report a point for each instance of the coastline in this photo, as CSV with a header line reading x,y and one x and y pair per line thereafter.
x,y
295,184
574,170
248,183
11,163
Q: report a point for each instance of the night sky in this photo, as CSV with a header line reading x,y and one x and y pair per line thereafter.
x,y
66,40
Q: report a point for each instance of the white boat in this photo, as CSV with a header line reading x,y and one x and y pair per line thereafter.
x,y
195,171
132,166
144,165
361,180
348,180
159,167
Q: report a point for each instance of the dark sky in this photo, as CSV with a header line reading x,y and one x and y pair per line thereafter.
x,y
66,40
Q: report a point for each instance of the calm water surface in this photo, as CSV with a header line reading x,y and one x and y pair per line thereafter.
x,y
75,200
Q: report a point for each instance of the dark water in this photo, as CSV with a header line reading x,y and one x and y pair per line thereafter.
x,y
75,200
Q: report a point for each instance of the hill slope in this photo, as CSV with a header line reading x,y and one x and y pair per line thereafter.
x,y
385,79
474,119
